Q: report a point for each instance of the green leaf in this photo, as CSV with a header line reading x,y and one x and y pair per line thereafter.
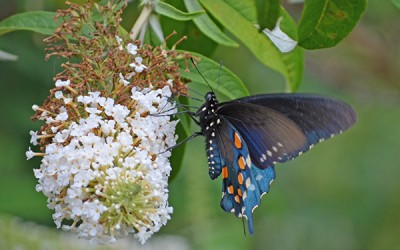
x,y
207,26
247,9
37,21
325,23
196,40
396,3
290,65
222,80
170,11
267,13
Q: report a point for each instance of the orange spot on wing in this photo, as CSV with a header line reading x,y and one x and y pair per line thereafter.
x,y
237,141
241,163
237,199
225,172
239,192
240,178
230,189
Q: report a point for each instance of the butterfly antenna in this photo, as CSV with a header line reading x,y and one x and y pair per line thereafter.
x,y
181,142
193,98
196,92
194,64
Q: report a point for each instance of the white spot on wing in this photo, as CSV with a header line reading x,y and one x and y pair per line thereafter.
x,y
248,182
248,161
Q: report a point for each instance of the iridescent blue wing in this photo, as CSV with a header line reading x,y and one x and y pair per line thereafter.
x,y
279,127
243,184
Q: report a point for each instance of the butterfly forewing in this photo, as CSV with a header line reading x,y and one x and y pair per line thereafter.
x,y
318,117
278,128
270,136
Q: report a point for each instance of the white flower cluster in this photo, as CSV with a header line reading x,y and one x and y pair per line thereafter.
x,y
106,174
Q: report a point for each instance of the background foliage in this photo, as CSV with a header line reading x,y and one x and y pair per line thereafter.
x,y
341,195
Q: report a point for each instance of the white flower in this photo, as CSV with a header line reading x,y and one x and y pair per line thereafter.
x,y
62,136
58,94
170,82
67,100
63,116
139,67
104,161
29,154
123,80
34,137
132,48
60,83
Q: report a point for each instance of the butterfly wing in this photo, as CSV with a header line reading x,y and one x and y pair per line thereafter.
x,y
243,184
279,127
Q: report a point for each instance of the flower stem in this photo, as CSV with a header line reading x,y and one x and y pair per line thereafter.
x,y
143,17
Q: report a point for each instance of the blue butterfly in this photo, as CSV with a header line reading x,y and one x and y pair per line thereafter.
x,y
245,137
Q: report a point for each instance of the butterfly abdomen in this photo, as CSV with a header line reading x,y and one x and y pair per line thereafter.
x,y
209,122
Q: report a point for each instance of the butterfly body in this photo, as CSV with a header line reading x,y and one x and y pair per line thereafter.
x,y
245,137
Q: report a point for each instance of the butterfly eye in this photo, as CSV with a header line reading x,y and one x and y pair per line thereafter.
x,y
210,96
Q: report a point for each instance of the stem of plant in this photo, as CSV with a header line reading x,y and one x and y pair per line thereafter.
x,y
143,17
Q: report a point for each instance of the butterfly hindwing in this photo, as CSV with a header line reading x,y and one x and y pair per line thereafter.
x,y
243,184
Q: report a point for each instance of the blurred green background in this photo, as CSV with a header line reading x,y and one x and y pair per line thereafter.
x,y
343,194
